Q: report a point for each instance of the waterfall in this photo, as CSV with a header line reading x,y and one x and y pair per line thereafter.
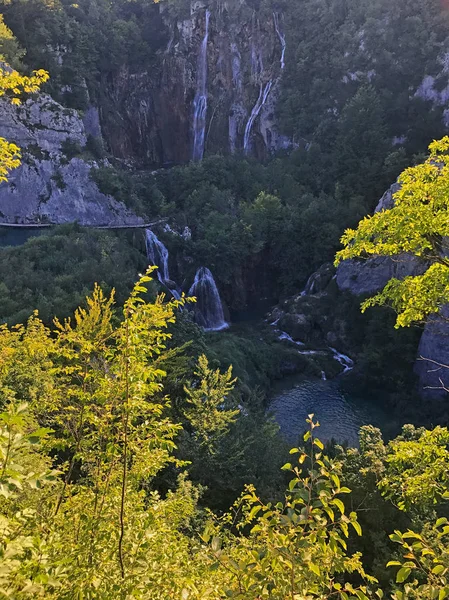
x,y
346,362
281,37
200,101
157,255
257,70
263,96
311,285
208,307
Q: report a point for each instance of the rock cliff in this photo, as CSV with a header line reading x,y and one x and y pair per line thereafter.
x,y
49,186
226,64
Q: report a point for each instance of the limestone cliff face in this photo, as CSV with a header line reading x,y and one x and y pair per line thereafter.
x,y
49,187
237,54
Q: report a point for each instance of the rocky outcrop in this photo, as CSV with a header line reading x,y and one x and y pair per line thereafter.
x,y
363,277
432,365
49,186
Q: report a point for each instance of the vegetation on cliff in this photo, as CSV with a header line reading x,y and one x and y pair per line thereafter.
x,y
416,224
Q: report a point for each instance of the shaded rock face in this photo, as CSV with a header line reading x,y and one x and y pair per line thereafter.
x,y
310,317
148,116
360,277
434,348
48,187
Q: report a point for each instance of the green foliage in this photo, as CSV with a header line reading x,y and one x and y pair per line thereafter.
x,y
417,469
87,429
296,548
10,51
207,399
416,225
54,272
425,563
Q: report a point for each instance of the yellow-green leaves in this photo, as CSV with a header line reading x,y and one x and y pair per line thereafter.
x,y
296,548
13,85
210,412
417,226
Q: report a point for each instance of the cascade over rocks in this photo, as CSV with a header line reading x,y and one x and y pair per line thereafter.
x,y
50,187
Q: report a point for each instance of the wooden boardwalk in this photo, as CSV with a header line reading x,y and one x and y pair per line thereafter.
x,y
46,225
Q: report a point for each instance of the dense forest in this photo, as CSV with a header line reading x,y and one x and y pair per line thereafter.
x,y
139,455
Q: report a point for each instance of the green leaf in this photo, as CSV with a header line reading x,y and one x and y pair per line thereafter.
x,y
337,502
318,443
403,574
438,569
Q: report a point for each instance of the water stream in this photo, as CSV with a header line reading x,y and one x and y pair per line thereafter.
x,y
282,39
261,100
200,101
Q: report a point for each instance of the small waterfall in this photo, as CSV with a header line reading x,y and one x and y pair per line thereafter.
x,y
157,255
208,308
263,97
311,285
281,37
200,101
346,362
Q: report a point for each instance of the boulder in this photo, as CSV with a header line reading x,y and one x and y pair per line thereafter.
x,y
298,326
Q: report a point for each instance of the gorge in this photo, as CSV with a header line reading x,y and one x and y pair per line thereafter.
x,y
224,291
290,120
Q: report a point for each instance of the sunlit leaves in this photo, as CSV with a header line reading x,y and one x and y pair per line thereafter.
x,y
13,85
417,225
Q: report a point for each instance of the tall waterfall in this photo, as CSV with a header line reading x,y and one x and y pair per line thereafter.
x,y
208,308
200,101
281,37
263,97
256,60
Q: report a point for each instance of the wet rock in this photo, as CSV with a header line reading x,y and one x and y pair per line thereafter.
x,y
298,326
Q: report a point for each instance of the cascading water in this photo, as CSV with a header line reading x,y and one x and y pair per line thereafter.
x,y
200,101
311,285
256,62
281,37
157,255
263,96
346,362
208,308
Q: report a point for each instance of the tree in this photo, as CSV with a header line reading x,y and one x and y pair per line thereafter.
x,y
297,548
417,225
